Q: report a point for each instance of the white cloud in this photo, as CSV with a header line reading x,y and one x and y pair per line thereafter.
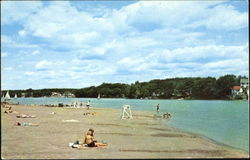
x,y
29,73
209,52
70,28
35,52
146,40
184,14
226,17
200,59
22,33
227,64
43,64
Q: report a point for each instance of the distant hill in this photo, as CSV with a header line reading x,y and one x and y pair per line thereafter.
x,y
170,88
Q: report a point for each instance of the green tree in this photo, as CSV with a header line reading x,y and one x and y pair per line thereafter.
x,y
224,85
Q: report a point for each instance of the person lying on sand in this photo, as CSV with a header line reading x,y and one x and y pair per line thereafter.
x,y
25,116
89,113
25,124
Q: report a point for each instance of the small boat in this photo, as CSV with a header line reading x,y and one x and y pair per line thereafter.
x,y
15,96
99,96
7,96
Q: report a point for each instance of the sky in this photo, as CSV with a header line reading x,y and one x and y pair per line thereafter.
x,y
77,44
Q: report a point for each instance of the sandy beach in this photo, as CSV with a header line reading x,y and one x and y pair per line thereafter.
x,y
144,136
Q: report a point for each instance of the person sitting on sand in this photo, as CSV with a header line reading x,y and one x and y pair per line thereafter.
x,y
25,124
8,111
90,141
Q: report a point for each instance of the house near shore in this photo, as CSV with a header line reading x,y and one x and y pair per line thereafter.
x,y
68,95
242,90
56,94
23,95
236,90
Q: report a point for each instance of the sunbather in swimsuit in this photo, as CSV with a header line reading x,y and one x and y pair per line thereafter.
x,y
90,141
26,124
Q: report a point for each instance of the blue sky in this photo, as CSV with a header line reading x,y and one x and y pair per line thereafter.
x,y
60,44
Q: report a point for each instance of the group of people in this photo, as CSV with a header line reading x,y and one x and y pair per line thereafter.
x,y
9,110
165,115
80,104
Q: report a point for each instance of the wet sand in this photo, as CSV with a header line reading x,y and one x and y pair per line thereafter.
x,y
144,136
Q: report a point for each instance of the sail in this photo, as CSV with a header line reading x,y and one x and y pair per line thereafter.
x,y
15,96
7,96
99,96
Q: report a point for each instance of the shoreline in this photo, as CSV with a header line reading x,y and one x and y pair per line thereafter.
x,y
180,99
177,143
165,123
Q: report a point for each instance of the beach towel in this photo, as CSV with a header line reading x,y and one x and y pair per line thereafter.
x,y
70,120
85,146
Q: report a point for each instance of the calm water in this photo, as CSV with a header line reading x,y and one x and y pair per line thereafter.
x,y
223,121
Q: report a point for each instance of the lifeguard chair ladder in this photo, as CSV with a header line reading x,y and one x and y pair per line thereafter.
x,y
126,112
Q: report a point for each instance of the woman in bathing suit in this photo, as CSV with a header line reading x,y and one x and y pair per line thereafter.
x,y
90,141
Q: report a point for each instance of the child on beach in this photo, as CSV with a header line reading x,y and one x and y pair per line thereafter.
x,y
158,107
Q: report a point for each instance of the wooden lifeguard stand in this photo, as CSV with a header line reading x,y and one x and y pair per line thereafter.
x,y
126,112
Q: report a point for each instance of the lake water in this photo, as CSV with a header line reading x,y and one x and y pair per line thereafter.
x,y
226,122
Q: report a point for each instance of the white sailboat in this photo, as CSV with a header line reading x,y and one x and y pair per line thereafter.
x,y
99,96
15,96
7,96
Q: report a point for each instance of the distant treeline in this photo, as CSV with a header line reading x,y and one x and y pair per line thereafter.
x,y
171,88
